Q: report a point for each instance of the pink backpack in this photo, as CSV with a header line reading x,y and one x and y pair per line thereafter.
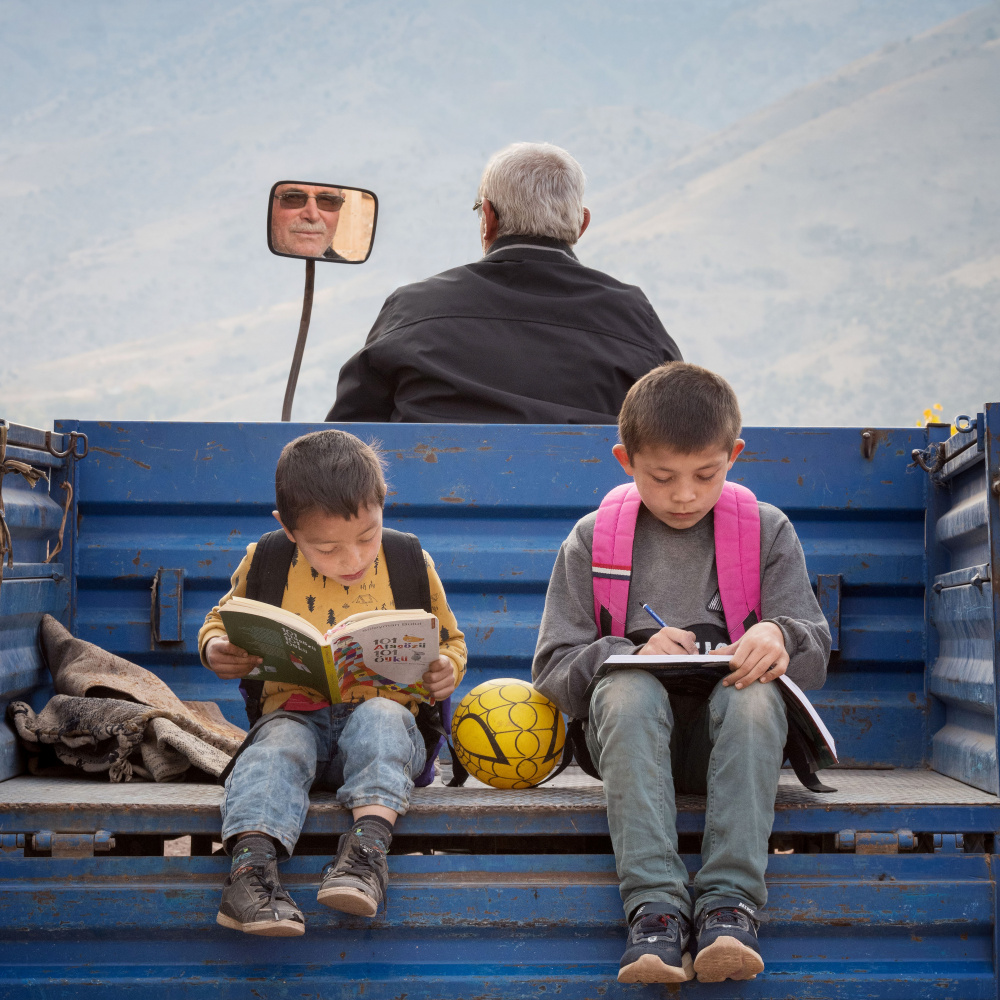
x,y
737,557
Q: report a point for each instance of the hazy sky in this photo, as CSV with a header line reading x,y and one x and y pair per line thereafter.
x,y
139,140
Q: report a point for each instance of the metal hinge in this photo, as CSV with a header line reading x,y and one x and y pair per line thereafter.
x,y
865,842
71,845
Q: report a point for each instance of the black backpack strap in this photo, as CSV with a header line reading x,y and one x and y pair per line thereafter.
x,y
574,747
404,562
799,754
411,588
266,581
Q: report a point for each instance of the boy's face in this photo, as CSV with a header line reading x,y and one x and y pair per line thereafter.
x,y
342,549
679,488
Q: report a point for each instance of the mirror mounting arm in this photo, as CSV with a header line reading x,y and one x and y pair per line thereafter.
x,y
300,344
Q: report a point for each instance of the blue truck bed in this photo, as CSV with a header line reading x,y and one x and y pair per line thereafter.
x,y
886,888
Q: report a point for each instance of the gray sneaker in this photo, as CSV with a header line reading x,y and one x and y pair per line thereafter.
x,y
355,881
254,902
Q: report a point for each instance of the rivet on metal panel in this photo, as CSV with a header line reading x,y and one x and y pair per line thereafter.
x,y
996,486
868,443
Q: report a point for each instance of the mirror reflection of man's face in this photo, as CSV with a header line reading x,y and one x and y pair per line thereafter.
x,y
304,218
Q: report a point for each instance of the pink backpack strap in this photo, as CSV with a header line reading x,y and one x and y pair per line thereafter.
x,y
737,557
611,558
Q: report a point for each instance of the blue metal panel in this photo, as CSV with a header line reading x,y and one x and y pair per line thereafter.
x,y
965,530
492,504
485,926
31,587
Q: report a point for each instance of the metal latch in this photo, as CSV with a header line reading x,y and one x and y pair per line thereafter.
x,y
865,842
72,845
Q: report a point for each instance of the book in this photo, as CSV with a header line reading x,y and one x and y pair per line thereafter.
x,y
698,674
385,649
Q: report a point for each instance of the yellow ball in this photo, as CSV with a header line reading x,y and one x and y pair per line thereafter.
x,y
507,734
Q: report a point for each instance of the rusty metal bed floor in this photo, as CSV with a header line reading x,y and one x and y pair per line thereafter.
x,y
574,804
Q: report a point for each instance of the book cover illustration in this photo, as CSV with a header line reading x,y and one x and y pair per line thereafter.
x,y
381,656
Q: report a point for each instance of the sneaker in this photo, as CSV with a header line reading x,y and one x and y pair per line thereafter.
x,y
727,942
254,902
355,881
657,947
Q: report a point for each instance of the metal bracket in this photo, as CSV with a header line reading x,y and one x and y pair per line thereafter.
x,y
828,595
949,843
980,575
865,842
72,845
166,616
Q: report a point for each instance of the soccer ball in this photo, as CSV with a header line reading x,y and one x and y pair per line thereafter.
x,y
506,734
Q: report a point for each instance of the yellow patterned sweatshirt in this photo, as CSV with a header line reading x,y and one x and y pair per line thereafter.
x,y
325,602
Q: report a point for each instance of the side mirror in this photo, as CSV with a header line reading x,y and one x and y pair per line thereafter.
x,y
327,222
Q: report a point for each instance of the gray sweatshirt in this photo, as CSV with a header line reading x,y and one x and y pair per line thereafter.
x,y
674,572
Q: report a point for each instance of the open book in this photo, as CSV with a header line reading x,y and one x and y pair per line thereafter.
x,y
387,649
699,674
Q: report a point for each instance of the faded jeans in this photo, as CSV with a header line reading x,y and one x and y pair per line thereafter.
x,y
367,755
729,747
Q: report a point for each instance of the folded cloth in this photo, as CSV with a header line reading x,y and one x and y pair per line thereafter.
x,y
112,715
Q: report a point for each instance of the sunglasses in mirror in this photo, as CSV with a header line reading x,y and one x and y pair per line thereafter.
x,y
298,199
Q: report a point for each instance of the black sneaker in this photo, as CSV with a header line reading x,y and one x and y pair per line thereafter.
x,y
727,942
657,947
254,902
356,879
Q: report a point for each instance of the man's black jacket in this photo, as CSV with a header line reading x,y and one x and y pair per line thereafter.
x,y
525,335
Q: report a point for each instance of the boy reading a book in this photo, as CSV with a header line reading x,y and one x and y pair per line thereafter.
x,y
679,429
330,490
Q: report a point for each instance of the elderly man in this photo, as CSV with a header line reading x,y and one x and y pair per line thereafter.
x,y
304,220
527,334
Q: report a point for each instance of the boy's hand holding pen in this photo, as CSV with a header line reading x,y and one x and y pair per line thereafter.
x,y
669,641
760,654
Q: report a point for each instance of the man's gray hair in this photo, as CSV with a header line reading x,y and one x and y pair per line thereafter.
x,y
536,189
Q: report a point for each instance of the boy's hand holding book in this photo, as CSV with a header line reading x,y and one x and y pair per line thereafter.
x,y
229,661
758,655
440,678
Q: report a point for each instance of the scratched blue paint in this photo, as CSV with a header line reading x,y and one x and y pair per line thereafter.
x,y
492,504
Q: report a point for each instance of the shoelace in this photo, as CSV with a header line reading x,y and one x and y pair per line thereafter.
x,y
263,886
359,864
726,916
660,924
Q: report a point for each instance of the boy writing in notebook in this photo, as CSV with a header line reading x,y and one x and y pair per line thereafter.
x,y
679,429
330,489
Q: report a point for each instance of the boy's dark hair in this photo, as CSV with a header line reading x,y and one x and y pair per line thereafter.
x,y
331,471
685,407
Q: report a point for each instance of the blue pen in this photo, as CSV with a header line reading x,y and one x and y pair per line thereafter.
x,y
652,614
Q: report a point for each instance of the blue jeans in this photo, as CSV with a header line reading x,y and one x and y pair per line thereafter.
x,y
367,755
729,747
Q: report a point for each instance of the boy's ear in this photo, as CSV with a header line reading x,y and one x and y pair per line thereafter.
x,y
622,455
737,448
277,518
